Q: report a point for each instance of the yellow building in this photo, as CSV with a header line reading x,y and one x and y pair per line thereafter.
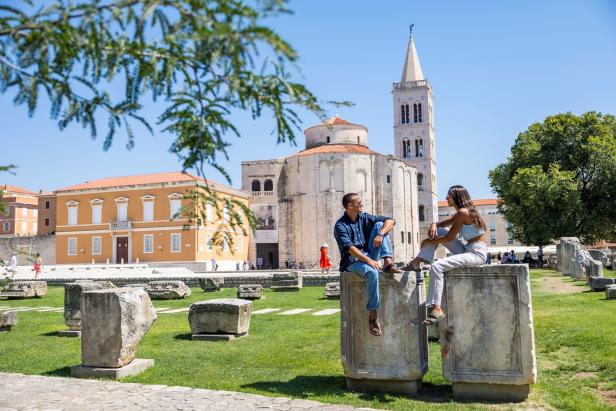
x,y
20,217
144,218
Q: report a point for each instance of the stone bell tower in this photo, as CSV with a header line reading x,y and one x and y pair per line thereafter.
x,y
414,133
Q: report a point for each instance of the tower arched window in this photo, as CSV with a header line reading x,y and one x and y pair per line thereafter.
x,y
405,148
268,185
402,236
422,216
419,148
417,115
256,185
408,237
327,139
420,181
357,139
404,114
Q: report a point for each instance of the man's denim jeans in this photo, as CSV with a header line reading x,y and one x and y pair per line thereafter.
x,y
370,274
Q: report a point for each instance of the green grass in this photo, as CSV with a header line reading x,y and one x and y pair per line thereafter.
x,y
299,355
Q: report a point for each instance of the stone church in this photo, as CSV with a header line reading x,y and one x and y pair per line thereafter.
x,y
297,199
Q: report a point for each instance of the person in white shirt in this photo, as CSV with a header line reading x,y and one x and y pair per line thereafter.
x,y
13,266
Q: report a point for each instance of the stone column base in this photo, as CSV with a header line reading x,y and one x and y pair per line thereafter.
x,y
137,366
389,386
490,392
69,333
217,337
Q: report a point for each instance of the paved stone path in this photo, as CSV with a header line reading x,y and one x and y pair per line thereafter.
x,y
21,392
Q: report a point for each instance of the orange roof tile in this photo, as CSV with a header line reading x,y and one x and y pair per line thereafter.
x,y
16,190
337,148
478,202
170,177
336,121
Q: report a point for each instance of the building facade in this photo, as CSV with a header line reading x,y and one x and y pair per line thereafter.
x,y
147,218
298,199
20,217
46,213
414,133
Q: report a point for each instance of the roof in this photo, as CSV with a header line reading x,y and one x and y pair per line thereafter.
x,y
337,148
16,190
479,202
143,179
336,121
412,69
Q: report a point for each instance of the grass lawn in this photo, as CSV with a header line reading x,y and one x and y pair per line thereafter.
x,y
299,355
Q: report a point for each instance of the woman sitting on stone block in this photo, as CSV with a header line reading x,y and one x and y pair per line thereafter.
x,y
466,223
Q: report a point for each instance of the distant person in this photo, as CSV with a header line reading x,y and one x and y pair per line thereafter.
x,y
12,270
237,266
506,259
214,264
245,266
325,260
513,257
468,224
499,257
38,265
527,259
363,240
540,257
489,259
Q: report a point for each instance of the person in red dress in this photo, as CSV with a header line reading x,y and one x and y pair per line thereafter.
x,y
325,260
38,265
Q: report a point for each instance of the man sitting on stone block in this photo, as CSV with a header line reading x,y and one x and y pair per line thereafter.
x,y
363,241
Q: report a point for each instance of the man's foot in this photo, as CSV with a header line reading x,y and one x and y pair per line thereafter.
x,y
392,269
375,327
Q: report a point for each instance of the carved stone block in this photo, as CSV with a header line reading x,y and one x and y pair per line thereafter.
x,y
250,292
287,281
332,291
167,290
220,316
24,289
209,284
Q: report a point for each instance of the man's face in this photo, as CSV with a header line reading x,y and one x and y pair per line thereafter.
x,y
355,205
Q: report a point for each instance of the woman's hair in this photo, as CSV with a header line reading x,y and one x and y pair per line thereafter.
x,y
462,199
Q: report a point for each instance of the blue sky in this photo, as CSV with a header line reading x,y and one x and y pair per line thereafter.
x,y
495,68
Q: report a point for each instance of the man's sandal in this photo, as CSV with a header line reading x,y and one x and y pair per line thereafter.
x,y
434,319
375,327
392,269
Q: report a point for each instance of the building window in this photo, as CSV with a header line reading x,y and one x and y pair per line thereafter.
x,y
268,185
7,212
388,179
256,185
492,227
210,215
225,246
417,115
357,139
47,204
327,139
72,215
419,147
24,227
408,239
226,215
72,246
492,239
6,226
148,243
175,243
422,216
209,242
402,116
402,237
148,210
96,245
404,148
24,212
35,213
34,228
175,205
46,221
239,244
97,213
420,181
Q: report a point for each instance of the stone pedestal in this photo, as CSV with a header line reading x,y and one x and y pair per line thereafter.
x,y
332,291
220,318
250,292
167,290
24,289
287,281
599,283
487,337
113,323
396,361
72,305
610,292
8,320
210,284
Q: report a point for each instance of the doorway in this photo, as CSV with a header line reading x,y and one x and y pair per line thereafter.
x,y
121,250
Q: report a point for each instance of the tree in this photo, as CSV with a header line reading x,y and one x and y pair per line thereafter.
x,y
560,180
202,58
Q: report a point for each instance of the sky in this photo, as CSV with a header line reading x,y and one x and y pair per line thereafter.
x,y
495,68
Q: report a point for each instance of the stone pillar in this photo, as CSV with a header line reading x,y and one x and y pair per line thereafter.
x,y
397,360
72,306
566,253
487,337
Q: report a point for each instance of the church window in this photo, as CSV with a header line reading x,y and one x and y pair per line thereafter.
x,y
388,179
404,148
357,139
420,181
406,109
422,216
408,234
402,117
419,148
256,185
328,139
402,236
417,115
268,185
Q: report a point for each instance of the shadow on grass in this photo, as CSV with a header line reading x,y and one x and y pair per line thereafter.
x,y
59,372
308,386
185,337
50,334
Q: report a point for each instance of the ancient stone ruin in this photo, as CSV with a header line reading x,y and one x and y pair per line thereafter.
x,y
565,252
332,291
250,292
113,323
487,337
72,305
599,283
610,292
167,290
585,266
24,289
287,281
210,284
602,256
220,319
8,319
396,361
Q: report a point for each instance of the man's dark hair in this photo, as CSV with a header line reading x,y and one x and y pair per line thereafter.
x,y
348,197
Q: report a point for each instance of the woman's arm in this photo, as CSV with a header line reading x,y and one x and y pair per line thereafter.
x,y
446,222
456,224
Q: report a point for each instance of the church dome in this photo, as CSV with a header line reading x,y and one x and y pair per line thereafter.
x,y
336,130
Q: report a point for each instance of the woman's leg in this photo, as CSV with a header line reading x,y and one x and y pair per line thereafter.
x,y
438,269
426,254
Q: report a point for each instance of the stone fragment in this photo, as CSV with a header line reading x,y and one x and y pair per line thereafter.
x,y
220,316
106,284
24,289
332,291
136,285
209,284
72,302
250,292
610,292
113,323
585,266
488,343
8,319
397,360
602,256
599,283
167,290
287,281
565,252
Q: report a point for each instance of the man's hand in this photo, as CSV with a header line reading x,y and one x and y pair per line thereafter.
x,y
378,240
432,231
373,264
